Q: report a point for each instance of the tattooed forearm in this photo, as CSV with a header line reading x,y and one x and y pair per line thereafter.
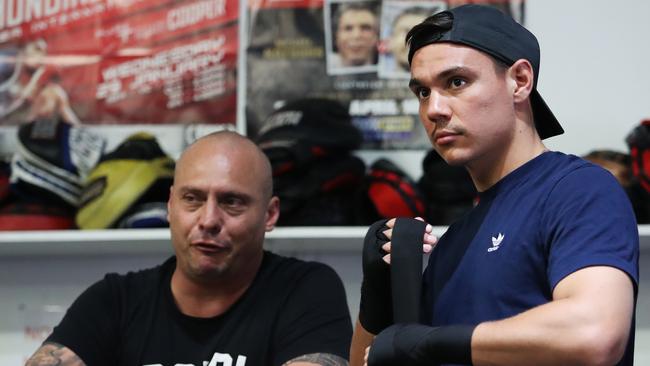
x,y
322,359
52,354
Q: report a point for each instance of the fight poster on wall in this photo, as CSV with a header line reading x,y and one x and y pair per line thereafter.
x,y
348,50
118,61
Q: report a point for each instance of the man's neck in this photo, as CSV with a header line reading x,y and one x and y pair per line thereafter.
x,y
207,298
492,169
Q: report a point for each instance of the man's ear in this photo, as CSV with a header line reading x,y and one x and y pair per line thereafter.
x,y
521,72
272,213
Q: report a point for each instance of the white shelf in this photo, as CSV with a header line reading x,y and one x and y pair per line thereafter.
x,y
644,236
156,241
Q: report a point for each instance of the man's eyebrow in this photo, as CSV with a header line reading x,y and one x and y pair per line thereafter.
x,y
221,195
414,82
235,194
442,75
453,71
189,189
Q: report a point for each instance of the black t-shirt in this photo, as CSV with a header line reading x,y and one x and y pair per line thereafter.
x,y
292,308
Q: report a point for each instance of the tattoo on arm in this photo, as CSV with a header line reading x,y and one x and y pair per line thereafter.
x,y
53,354
322,359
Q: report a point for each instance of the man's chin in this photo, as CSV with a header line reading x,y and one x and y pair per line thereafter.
x,y
212,272
210,267
355,60
358,62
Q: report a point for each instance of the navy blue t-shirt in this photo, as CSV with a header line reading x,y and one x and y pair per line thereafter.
x,y
547,219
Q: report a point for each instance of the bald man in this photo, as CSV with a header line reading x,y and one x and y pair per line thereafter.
x,y
222,299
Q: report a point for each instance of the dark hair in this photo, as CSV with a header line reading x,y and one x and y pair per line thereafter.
x,y
435,26
358,6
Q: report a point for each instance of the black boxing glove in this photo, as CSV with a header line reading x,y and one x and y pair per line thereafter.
x,y
376,308
419,345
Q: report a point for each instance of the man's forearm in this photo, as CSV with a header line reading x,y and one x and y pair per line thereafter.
x,y
579,329
587,323
361,339
317,359
52,354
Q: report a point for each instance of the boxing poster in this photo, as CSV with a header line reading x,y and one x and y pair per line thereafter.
x,y
119,62
349,50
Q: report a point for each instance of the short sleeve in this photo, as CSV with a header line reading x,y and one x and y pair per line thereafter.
x,y
316,318
89,327
591,223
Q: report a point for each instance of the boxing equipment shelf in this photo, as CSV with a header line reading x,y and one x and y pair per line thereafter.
x,y
156,241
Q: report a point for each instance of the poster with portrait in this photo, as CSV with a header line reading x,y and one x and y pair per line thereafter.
x,y
287,59
302,49
118,62
397,18
351,36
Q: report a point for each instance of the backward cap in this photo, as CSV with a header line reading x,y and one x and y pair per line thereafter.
x,y
489,30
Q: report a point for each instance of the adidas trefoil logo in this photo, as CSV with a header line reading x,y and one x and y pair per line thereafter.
x,y
496,242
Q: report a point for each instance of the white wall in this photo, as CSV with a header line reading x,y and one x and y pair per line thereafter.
x,y
595,68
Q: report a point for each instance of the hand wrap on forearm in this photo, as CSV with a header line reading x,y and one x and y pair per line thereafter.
x,y
415,345
375,309
391,294
406,269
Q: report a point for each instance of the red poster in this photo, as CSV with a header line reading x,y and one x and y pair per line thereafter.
x,y
118,61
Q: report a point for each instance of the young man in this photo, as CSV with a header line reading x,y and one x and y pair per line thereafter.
x,y
356,35
222,299
544,270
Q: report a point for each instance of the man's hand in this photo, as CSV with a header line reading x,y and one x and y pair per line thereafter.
x,y
375,310
428,241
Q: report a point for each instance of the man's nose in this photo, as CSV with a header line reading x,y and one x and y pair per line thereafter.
x,y
437,108
211,216
357,32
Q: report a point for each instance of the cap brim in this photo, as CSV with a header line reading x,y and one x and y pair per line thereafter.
x,y
545,122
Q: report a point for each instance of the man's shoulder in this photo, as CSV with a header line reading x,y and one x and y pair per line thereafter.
x,y
288,263
552,170
561,163
577,175
289,270
137,281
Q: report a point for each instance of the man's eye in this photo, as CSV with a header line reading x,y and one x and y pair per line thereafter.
x,y
456,82
422,93
367,28
189,198
233,202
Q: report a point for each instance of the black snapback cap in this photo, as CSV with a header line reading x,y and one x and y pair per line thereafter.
x,y
489,30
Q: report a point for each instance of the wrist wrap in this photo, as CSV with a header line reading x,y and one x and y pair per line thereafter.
x,y
406,269
375,309
415,344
